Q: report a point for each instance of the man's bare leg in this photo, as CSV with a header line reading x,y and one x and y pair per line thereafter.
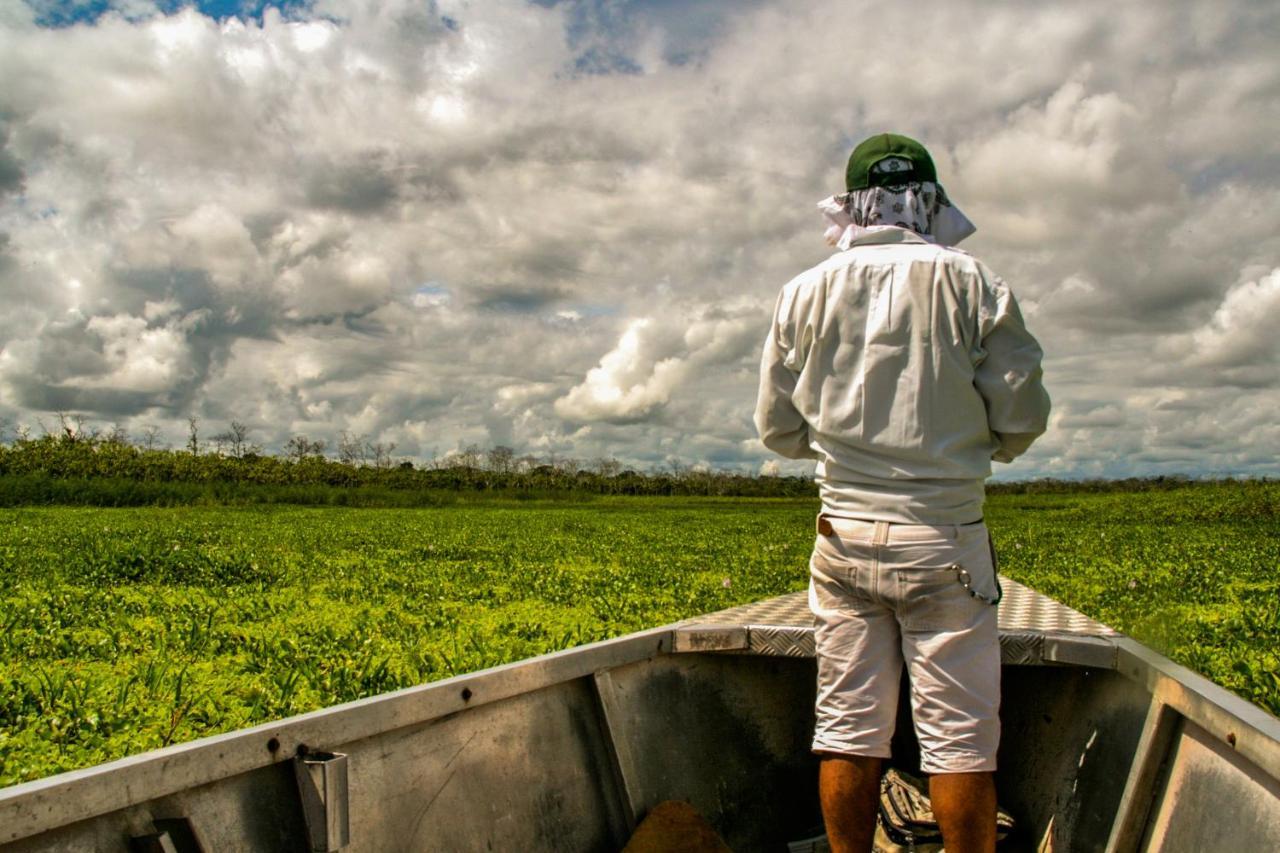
x,y
849,788
965,806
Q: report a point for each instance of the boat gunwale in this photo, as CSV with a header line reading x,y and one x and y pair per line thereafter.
x,y
1244,727
42,805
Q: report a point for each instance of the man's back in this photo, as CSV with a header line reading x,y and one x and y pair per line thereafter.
x,y
903,367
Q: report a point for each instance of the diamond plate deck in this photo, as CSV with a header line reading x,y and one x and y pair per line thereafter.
x,y
783,626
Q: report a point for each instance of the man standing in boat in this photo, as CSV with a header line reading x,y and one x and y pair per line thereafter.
x,y
903,367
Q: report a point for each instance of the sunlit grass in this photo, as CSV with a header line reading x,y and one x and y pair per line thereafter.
x,y
127,629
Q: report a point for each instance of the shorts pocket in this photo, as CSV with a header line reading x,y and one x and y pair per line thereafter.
x,y
931,594
933,599
838,575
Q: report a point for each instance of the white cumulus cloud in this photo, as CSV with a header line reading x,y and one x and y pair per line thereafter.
x,y
561,226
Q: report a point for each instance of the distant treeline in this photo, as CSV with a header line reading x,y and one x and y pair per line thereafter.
x,y
1162,482
106,470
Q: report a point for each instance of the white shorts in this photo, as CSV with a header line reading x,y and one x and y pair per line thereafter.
x,y
883,594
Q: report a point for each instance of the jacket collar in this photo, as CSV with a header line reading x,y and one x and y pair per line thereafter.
x,y
882,234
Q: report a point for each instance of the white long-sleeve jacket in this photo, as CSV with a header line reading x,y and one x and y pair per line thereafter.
x,y
903,368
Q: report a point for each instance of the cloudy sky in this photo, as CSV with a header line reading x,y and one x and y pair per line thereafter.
x,y
560,226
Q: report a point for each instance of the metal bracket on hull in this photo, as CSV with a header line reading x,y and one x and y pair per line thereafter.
x,y
622,762
322,784
172,835
155,842
1141,788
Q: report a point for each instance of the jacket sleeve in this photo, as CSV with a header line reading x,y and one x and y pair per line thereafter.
x,y
1008,374
781,426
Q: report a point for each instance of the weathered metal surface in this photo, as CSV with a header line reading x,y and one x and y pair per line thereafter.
x,y
1067,740
1244,738
1140,789
1212,799
1111,746
1021,609
781,641
1021,648
709,638
1030,624
729,734
1245,727
258,810
622,760
1096,652
154,842
1024,609
529,773
322,787
59,800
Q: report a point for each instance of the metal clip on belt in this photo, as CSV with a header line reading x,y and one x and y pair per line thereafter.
x,y
962,575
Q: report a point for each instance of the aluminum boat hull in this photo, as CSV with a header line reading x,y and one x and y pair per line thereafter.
x,y
1106,746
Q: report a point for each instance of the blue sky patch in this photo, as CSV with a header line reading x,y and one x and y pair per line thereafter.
x,y
605,34
68,13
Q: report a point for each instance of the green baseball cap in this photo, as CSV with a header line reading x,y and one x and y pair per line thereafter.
x,y
859,175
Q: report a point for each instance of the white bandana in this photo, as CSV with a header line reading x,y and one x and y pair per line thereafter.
x,y
920,206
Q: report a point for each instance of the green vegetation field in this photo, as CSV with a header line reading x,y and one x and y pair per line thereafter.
x,y
126,629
